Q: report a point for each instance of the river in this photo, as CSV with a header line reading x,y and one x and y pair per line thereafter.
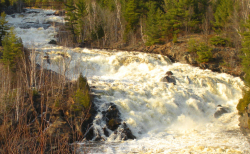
x,y
165,118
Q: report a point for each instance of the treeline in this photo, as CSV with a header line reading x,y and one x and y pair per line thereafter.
x,y
11,6
155,22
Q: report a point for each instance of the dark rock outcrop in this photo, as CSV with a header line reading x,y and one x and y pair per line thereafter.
x,y
33,25
112,117
52,42
126,132
169,73
219,111
29,11
113,121
169,78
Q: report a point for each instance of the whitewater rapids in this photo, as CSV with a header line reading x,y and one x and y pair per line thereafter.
x,y
165,118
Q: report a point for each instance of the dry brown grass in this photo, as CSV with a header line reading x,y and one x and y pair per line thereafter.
x,y
28,111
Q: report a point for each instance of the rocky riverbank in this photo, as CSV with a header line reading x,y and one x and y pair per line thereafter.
x,y
224,60
56,113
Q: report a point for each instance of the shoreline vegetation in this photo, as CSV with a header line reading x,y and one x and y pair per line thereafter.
x,y
42,111
207,34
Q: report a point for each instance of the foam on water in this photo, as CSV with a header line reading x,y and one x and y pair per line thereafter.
x,y
34,37
165,118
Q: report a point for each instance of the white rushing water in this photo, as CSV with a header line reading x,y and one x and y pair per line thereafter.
x,y
165,118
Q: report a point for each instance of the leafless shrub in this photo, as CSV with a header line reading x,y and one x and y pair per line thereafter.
x,y
28,109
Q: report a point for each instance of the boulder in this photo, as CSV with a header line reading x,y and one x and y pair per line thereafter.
x,y
219,111
112,117
126,132
169,78
52,42
114,122
169,73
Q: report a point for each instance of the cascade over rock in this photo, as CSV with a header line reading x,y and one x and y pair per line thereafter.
x,y
130,101
219,111
114,125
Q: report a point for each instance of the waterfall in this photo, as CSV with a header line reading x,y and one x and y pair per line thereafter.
x,y
165,117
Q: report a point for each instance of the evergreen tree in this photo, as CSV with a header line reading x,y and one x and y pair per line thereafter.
x,y
3,26
184,15
176,15
132,15
71,18
12,49
109,4
80,15
223,11
155,25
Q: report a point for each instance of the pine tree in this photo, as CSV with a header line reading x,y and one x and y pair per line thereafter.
x,y
81,14
3,26
176,14
12,49
71,18
132,15
155,25
222,14
108,4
